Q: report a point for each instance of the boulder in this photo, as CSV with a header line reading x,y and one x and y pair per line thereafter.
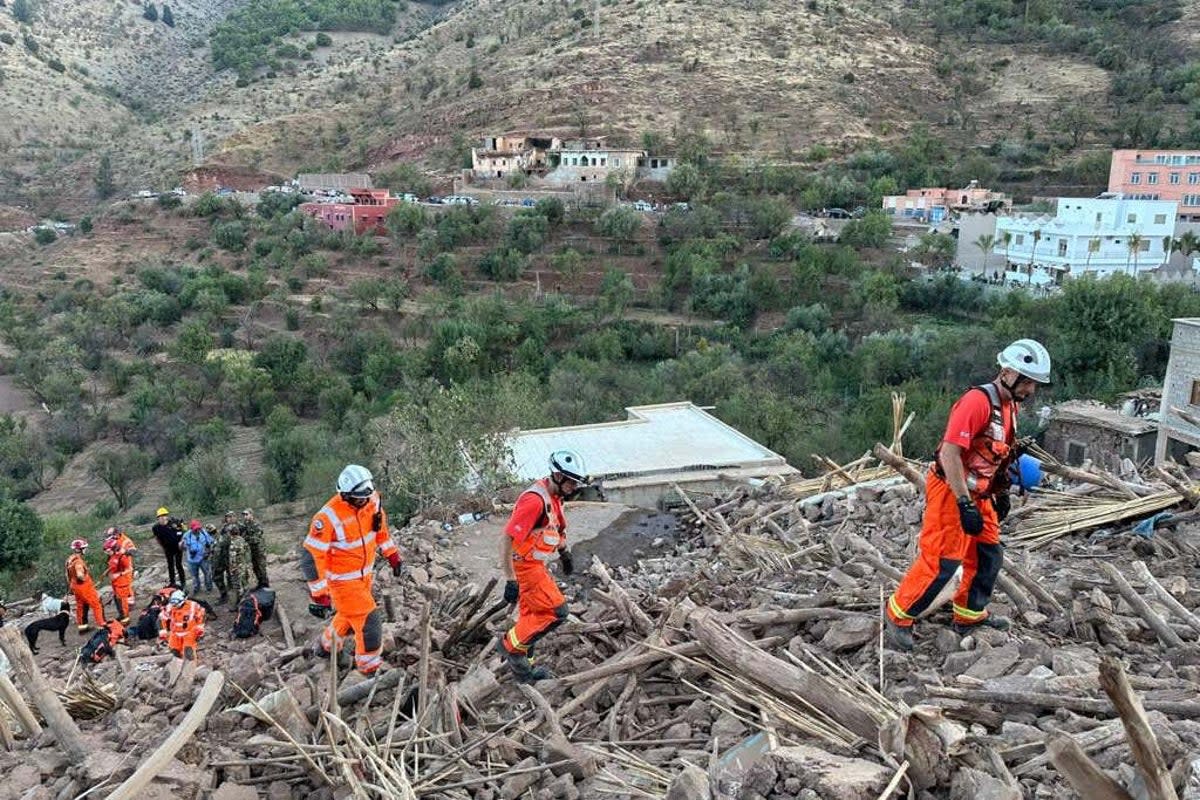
x,y
994,662
971,784
690,784
235,791
850,633
832,777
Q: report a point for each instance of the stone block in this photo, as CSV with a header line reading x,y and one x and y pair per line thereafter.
x,y
690,784
832,777
850,633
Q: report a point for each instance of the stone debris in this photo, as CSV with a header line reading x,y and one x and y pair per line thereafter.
x,y
739,658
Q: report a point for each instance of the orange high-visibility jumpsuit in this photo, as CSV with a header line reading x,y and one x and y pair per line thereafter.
x,y
340,547
86,597
538,530
985,427
181,627
120,574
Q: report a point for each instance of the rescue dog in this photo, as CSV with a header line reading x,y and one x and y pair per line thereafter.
x,y
57,623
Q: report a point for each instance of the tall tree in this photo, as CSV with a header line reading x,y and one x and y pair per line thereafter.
x,y
150,12
1037,237
986,242
1135,246
22,10
167,17
1093,248
104,178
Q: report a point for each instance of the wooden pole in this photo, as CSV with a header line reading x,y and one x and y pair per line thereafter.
x,y
1141,737
1166,598
786,680
900,465
26,671
21,710
1087,779
285,623
160,758
1162,630
1092,706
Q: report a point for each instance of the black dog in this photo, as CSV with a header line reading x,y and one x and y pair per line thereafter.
x,y
58,623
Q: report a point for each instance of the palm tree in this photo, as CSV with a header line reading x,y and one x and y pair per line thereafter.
x,y
1188,243
1168,248
1006,240
1093,248
1037,237
985,243
1135,245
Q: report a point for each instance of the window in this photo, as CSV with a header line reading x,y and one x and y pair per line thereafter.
x,y
1076,453
1131,219
1020,240
1144,247
1160,219
1195,399
1135,177
616,161
1062,248
1191,199
1173,178
1193,178
1151,178
1099,218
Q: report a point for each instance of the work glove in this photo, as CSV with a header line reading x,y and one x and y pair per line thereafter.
x,y
568,563
377,521
1003,504
397,564
969,516
321,607
511,592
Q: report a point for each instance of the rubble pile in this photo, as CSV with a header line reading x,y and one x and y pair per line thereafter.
x,y
742,659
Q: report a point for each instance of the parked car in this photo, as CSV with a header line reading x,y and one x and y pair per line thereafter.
x,y
436,200
179,191
528,202
461,200
409,197
681,206
835,213
641,205
145,194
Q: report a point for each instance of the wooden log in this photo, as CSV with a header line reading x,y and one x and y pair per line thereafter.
x,y
1046,601
787,616
1162,630
1099,479
1166,598
21,710
1091,706
161,757
641,622
30,677
1021,601
285,624
900,465
1142,741
1087,779
349,695
1191,498
787,680
1101,738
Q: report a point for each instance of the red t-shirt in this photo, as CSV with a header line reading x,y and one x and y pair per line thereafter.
x,y
971,416
528,512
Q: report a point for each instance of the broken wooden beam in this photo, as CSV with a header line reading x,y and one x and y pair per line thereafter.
x,y
1085,777
30,677
20,709
157,761
1162,630
1166,598
900,465
1142,741
1093,706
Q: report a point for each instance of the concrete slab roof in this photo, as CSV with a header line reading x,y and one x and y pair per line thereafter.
x,y
670,438
1101,416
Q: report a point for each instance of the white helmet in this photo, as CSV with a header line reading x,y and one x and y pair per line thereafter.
x,y
570,464
1027,357
177,597
356,481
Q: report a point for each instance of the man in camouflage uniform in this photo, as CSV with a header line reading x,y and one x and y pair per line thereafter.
x,y
239,566
253,534
221,572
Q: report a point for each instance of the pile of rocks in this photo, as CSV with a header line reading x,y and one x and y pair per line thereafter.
x,y
744,660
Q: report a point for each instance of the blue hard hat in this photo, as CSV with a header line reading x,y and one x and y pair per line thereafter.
x,y
1026,472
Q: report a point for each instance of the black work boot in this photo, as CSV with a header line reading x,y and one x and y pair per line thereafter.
x,y
897,637
224,598
990,621
519,664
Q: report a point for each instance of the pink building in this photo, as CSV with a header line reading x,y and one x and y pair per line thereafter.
x,y
1172,175
934,204
366,214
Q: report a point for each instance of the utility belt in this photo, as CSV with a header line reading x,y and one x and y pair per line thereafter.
x,y
976,484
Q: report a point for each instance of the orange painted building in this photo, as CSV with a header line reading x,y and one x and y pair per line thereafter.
x,y
367,214
1172,175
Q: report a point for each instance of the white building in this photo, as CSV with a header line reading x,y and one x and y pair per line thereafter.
x,y
656,447
1106,235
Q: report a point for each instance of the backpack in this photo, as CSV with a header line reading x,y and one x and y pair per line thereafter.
x,y
147,624
100,645
256,607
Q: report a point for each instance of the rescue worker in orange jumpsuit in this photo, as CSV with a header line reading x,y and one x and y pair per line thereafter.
x,y
79,579
966,498
536,532
120,575
338,561
181,625
124,543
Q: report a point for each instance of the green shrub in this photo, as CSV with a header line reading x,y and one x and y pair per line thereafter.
x,y
45,236
323,39
230,235
20,534
206,483
503,264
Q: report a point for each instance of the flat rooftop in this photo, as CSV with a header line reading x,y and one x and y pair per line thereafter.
x,y
1101,416
652,441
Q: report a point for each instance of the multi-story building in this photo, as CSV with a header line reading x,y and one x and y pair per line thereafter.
x,y
367,214
1106,235
1172,175
935,204
1179,413
563,159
